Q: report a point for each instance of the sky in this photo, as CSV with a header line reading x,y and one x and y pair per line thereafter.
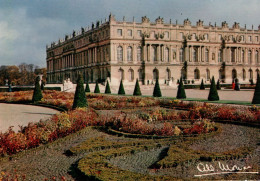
x,y
27,26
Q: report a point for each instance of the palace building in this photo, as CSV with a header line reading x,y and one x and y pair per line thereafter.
x,y
116,50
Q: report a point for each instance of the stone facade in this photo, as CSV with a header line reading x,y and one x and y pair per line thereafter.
x,y
147,50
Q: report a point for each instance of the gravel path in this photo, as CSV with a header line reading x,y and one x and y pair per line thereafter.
x,y
18,114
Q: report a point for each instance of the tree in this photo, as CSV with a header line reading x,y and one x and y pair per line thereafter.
x,y
181,92
202,87
121,90
256,98
80,99
87,89
37,93
96,88
157,90
137,91
218,85
107,91
213,93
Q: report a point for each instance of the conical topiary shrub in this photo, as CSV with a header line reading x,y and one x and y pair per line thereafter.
x,y
218,85
107,91
256,98
137,90
121,90
87,89
213,93
202,87
157,90
181,92
80,99
237,87
96,88
37,93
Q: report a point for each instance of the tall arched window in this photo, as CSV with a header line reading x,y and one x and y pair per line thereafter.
x,y
194,54
181,55
196,74
244,74
234,74
155,74
131,75
129,54
119,54
206,55
219,56
243,56
153,53
207,74
256,57
122,74
249,56
250,74
166,55
257,72
139,54
168,74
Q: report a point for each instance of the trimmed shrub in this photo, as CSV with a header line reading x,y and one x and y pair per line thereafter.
x,y
80,99
87,89
213,93
256,98
96,88
137,91
202,87
121,90
107,91
157,90
37,93
237,87
218,85
181,91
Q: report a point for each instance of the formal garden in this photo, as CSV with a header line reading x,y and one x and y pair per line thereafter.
x,y
100,136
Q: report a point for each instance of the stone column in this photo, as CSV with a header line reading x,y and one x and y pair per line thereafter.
x,y
162,53
158,53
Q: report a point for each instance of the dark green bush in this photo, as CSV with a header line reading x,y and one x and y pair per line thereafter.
x,y
87,89
107,91
157,90
80,99
37,93
202,87
213,93
96,88
256,98
181,91
121,90
137,91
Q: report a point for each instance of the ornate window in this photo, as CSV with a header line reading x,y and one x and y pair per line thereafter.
x,y
153,53
243,56
129,54
181,55
249,56
207,74
131,75
219,56
139,53
256,57
122,74
155,74
166,34
166,55
119,54
234,74
194,54
207,55
139,33
250,74
244,74
196,74
233,55
119,32
129,32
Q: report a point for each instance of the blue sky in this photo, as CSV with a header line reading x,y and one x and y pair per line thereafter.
x,y
26,26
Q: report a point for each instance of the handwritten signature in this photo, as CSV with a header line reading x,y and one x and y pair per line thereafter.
x,y
209,169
